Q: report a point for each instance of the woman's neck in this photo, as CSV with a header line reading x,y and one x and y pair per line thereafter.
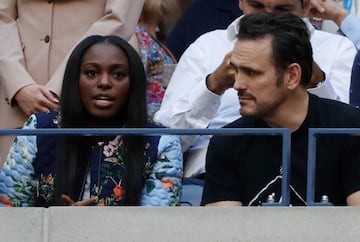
x,y
150,26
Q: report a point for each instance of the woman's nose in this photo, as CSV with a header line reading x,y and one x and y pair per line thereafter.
x,y
104,81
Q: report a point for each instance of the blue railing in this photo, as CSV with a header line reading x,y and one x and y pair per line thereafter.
x,y
311,165
285,133
286,147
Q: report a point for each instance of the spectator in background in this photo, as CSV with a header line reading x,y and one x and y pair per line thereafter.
x,y
104,87
183,4
200,17
271,82
156,57
36,37
201,95
347,22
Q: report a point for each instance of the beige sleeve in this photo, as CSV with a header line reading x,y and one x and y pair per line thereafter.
x,y
13,75
120,18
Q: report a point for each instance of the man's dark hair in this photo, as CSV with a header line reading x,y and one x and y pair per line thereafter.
x,y
290,39
72,160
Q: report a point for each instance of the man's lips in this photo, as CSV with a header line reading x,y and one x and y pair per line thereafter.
x,y
245,97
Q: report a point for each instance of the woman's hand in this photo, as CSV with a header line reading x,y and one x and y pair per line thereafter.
x,y
69,202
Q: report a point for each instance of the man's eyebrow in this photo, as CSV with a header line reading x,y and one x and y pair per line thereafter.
x,y
254,2
286,5
232,64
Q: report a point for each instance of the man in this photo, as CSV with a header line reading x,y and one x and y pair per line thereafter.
x,y
200,93
273,58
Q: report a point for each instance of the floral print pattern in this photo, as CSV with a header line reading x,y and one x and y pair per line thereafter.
x,y
154,56
21,186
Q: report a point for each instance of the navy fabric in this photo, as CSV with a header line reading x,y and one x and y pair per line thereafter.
x,y
237,171
46,151
200,17
45,144
355,82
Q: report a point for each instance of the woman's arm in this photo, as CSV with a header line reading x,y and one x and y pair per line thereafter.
x,y
17,183
163,187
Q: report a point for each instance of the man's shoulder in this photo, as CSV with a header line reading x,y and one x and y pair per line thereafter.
x,y
320,36
335,112
243,122
224,36
218,35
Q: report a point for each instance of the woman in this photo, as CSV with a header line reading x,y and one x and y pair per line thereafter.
x,y
156,57
103,87
36,37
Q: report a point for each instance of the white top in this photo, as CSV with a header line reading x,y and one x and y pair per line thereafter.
x,y
189,104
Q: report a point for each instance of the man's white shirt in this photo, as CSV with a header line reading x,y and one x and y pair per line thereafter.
x,y
189,104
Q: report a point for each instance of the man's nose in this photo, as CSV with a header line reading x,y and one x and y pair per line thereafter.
x,y
240,82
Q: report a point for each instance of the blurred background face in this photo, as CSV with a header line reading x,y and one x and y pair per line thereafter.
x,y
276,6
104,80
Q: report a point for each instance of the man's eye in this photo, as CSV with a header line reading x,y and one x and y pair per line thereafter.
x,y
257,6
250,72
283,10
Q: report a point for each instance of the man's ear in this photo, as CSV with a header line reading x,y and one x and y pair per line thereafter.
x,y
240,4
306,9
293,76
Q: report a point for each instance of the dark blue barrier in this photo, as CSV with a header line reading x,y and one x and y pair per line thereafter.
x,y
313,132
285,133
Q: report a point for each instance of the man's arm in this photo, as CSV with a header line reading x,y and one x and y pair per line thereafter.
x,y
222,185
353,199
189,102
225,203
332,10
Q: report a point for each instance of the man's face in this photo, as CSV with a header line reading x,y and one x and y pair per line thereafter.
x,y
272,6
261,89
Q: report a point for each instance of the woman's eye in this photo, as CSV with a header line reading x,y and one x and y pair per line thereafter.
x,y
119,75
90,73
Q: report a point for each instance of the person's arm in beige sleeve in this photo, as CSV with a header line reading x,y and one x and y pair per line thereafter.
x,y
14,78
120,18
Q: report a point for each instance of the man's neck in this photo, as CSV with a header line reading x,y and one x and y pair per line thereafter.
x,y
292,113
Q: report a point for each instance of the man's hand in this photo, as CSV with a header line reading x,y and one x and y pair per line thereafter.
x,y
69,202
317,76
36,98
222,78
328,9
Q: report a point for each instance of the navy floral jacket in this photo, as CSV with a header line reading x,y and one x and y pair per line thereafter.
x,y
27,178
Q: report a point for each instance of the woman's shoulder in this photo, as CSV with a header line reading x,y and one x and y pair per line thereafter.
x,y
162,143
49,119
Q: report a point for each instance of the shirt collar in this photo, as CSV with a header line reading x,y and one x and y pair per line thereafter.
x,y
233,29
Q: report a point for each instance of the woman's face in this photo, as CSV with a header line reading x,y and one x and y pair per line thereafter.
x,y
104,80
